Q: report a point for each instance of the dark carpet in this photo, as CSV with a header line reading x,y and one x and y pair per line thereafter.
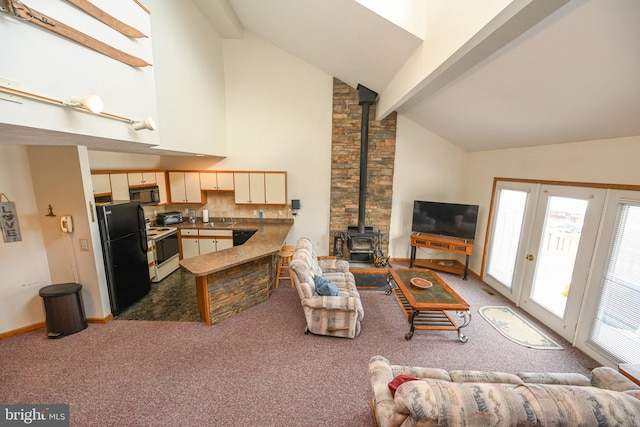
x,y
256,368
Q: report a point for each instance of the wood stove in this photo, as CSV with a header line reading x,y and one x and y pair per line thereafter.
x,y
361,239
361,244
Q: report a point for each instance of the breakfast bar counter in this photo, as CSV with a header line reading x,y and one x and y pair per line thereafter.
x,y
232,280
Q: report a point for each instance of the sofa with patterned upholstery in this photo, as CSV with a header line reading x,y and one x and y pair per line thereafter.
x,y
328,294
419,396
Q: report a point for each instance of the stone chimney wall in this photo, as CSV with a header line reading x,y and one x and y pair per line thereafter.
x,y
345,166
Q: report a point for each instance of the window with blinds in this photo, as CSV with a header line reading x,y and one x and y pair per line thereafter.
x,y
616,327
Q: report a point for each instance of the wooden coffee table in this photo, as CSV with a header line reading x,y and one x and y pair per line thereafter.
x,y
426,309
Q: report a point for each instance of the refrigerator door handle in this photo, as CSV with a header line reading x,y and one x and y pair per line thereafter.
x,y
141,227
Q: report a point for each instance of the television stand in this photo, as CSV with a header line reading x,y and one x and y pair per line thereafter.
x,y
442,243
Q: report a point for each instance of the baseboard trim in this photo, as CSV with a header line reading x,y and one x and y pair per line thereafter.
x,y
107,319
40,325
22,330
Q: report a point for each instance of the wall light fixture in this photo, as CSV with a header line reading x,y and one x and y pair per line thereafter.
x,y
147,123
92,103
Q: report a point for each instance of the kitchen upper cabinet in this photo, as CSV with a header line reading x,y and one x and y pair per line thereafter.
x,y
249,188
119,186
161,182
275,188
184,187
101,183
216,181
141,178
262,188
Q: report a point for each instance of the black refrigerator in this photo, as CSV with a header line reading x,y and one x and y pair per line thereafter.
x,y
124,247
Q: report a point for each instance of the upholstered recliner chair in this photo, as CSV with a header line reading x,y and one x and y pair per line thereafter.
x,y
337,312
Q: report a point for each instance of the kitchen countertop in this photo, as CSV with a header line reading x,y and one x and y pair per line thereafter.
x,y
270,236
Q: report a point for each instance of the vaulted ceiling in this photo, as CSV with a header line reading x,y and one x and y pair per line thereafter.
x,y
573,75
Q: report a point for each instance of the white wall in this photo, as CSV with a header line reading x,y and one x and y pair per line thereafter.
x,y
408,14
57,174
449,25
55,67
279,118
23,264
610,161
189,78
427,167
106,160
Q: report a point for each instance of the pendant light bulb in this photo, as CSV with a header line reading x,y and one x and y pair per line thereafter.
x,y
92,103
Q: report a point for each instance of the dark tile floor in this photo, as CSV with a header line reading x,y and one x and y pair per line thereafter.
x,y
171,299
174,298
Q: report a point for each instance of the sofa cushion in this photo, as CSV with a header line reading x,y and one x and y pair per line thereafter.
x,y
434,402
568,378
324,286
304,277
460,376
584,406
609,378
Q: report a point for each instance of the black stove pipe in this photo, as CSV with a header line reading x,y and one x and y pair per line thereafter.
x,y
366,98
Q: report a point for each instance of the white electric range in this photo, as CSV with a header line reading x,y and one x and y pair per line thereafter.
x,y
165,251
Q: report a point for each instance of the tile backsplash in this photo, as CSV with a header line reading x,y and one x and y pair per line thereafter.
x,y
222,204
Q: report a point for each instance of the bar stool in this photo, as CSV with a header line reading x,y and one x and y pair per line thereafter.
x,y
288,248
284,259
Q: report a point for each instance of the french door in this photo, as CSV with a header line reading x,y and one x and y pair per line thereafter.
x,y
540,248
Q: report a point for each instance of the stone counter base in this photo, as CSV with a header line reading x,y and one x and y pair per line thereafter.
x,y
226,293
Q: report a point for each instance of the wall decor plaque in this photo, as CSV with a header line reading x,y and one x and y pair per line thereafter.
x,y
9,221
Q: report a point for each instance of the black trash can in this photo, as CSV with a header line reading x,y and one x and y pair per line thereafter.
x,y
64,309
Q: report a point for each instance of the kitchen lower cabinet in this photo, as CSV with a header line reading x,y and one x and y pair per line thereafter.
x,y
214,240
189,246
196,242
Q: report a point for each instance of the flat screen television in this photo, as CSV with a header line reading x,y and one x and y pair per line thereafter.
x,y
445,219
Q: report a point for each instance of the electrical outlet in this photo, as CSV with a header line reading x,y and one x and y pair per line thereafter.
x,y
84,245
255,212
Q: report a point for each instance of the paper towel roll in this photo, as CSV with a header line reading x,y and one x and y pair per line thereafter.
x,y
205,215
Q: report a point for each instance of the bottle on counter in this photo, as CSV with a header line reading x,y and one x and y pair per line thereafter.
x,y
192,216
261,214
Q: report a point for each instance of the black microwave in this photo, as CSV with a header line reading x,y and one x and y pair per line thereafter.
x,y
145,195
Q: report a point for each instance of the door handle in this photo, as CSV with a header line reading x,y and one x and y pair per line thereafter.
x,y
529,257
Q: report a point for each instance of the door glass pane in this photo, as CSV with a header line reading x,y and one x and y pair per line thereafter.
x,y
616,328
557,253
506,235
